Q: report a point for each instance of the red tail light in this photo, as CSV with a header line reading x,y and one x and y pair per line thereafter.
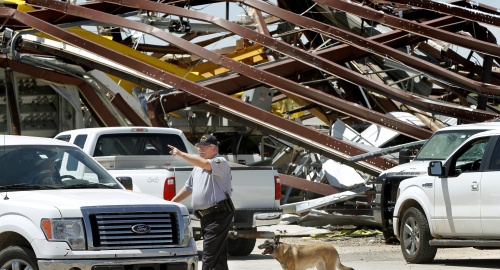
x,y
169,189
277,187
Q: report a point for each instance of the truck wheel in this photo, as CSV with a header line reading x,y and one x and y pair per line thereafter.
x,y
415,236
18,258
240,246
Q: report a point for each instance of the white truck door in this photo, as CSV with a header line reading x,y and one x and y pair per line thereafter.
x,y
457,197
490,202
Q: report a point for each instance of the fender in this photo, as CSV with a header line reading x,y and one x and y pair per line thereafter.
x,y
416,193
21,225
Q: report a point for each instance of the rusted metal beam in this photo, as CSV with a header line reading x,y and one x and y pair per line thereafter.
x,y
127,111
412,98
461,12
287,68
316,61
319,188
10,93
450,54
413,27
379,49
285,85
329,146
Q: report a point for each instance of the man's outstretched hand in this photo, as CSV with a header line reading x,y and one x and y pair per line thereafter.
x,y
174,151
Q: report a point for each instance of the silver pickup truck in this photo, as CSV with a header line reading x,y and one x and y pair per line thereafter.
x,y
142,154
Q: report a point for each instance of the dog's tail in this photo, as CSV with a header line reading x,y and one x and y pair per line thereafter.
x,y
340,266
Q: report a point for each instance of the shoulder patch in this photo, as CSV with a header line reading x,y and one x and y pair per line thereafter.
x,y
217,160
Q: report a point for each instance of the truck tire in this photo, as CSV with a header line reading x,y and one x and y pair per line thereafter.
x,y
18,258
240,246
415,236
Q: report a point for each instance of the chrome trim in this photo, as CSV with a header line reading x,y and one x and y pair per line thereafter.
x,y
122,211
88,264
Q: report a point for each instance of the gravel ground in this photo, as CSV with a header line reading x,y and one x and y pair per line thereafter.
x,y
355,248
375,249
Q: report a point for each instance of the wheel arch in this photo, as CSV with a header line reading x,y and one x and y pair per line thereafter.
x,y
413,197
18,230
10,238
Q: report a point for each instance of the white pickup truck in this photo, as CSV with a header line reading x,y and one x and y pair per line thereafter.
x,y
437,148
142,154
58,219
455,205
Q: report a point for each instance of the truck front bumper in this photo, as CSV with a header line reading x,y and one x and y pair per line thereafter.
x,y
174,263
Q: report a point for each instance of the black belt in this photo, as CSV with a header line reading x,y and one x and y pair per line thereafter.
x,y
205,212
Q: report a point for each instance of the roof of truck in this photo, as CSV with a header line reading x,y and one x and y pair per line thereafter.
x,y
29,140
485,125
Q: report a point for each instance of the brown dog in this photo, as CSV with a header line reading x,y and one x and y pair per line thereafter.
x,y
323,256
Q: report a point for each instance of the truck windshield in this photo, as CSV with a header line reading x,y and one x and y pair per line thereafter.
x,y
35,167
443,143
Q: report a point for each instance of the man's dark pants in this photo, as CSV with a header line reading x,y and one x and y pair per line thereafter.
x,y
215,228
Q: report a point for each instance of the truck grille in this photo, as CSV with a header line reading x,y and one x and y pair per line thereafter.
x,y
114,230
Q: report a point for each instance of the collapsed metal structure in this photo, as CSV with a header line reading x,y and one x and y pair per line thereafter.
x,y
353,56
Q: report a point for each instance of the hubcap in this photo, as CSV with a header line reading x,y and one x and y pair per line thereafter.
x,y
16,265
411,236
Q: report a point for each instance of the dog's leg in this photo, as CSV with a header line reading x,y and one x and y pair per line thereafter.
x,y
321,265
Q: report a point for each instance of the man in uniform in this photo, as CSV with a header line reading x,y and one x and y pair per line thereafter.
x,y
210,185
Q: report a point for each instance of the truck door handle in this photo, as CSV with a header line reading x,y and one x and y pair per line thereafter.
x,y
474,186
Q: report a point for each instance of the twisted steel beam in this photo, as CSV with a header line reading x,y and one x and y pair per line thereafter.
x,y
283,84
376,48
413,27
461,12
330,147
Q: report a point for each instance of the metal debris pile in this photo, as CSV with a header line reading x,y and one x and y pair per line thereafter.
x,y
327,91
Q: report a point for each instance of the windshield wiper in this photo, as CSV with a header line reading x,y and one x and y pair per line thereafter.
x,y
91,185
26,186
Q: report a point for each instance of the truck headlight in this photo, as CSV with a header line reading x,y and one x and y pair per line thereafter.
x,y
65,230
188,231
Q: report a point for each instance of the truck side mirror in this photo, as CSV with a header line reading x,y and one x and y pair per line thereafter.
x,y
125,181
435,168
404,156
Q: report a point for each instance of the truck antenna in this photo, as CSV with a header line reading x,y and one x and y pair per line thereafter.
x,y
5,171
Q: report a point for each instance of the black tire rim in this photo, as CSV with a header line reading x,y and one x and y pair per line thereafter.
x,y
411,236
17,264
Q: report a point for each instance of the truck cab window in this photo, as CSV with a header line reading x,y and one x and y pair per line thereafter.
x,y
470,159
65,138
137,144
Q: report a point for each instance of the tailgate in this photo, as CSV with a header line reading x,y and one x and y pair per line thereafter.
x,y
145,181
253,187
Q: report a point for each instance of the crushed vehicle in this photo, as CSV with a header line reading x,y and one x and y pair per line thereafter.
x,y
53,217
142,154
437,148
455,205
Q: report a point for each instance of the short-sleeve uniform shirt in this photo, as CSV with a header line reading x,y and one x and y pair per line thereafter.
x,y
208,187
